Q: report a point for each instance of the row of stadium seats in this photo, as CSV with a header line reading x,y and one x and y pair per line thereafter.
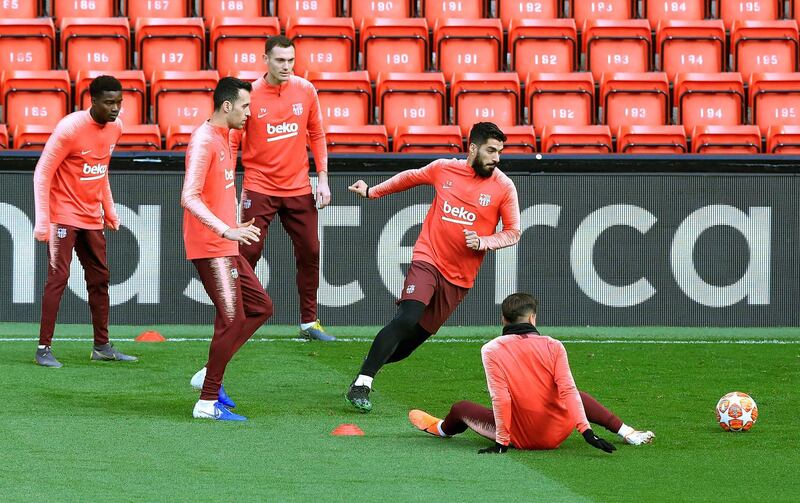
x,y
408,99
432,10
402,45
447,139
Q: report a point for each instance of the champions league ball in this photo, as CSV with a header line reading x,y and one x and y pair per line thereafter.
x,y
736,411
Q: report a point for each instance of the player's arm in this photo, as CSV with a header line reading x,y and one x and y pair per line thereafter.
x,y
501,397
398,183
509,214
55,151
235,137
569,395
316,141
110,217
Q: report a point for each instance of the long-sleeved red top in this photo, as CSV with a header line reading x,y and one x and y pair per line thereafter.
x,y
535,401
70,183
283,119
463,200
209,194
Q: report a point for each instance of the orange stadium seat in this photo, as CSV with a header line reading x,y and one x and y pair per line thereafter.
x,y
441,10
323,44
394,45
775,99
133,94
585,10
752,10
635,98
659,11
519,140
524,10
246,75
212,9
35,98
577,140
783,140
468,45
178,136
726,140
543,46
691,46
21,9
559,99
238,43
139,137
83,8
295,9
384,9
764,47
135,9
345,98
3,137
708,99
616,46
356,139
479,97
27,44
182,98
651,140
170,44
95,44
427,139
32,136
406,99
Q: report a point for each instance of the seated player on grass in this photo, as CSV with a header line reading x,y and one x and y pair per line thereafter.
x,y
535,403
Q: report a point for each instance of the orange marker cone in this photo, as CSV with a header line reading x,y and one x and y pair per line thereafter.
x,y
150,336
347,429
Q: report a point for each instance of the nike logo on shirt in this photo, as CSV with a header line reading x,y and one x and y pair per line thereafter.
x,y
84,152
262,115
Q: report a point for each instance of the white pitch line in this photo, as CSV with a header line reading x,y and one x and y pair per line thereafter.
x,y
440,341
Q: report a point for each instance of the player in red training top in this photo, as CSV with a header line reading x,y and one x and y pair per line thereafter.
x,y
472,196
286,112
535,404
212,235
73,204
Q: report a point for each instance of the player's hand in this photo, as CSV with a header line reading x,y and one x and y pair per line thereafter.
x,y
598,442
323,194
112,223
41,232
245,233
472,239
495,449
360,188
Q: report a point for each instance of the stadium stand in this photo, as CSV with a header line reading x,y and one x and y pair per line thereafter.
x,y
428,139
361,10
783,140
660,11
246,9
170,44
743,139
31,136
476,97
640,139
139,137
323,44
394,45
345,98
83,8
527,10
135,9
616,46
774,99
356,139
542,46
237,44
577,140
691,47
95,44
408,99
635,99
295,9
182,98
468,45
764,46
27,44
178,136
519,140
709,99
35,98
559,99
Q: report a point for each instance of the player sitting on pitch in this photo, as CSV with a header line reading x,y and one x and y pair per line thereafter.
x,y
535,403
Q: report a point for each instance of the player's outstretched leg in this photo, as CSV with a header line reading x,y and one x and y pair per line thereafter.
x,y
598,414
427,423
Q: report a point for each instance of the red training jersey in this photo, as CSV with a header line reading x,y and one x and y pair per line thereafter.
x,y
535,401
70,183
209,194
283,119
463,200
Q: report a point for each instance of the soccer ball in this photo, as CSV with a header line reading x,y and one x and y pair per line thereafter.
x,y
736,411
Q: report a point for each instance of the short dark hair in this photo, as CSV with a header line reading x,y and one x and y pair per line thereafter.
x,y
518,306
482,131
228,90
102,84
278,41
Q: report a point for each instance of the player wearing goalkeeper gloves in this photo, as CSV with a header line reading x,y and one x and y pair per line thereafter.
x,y
535,403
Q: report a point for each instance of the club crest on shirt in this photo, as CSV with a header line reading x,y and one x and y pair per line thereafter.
x,y
221,155
61,232
246,203
485,199
297,108
448,184
234,273
111,148
410,289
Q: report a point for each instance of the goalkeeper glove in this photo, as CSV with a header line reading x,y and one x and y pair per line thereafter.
x,y
598,442
495,449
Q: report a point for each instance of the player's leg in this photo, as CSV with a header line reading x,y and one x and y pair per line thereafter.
x,y
409,345
462,415
257,305
262,208
59,253
299,218
90,247
598,414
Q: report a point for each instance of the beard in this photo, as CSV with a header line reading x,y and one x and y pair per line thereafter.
x,y
481,169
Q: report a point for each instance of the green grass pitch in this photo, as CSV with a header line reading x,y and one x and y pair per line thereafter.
x,y
123,432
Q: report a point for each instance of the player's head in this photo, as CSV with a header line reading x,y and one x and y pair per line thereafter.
x,y
485,145
519,308
106,93
279,57
232,101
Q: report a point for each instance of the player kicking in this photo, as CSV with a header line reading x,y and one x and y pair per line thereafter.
x,y
212,234
73,203
535,404
472,196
